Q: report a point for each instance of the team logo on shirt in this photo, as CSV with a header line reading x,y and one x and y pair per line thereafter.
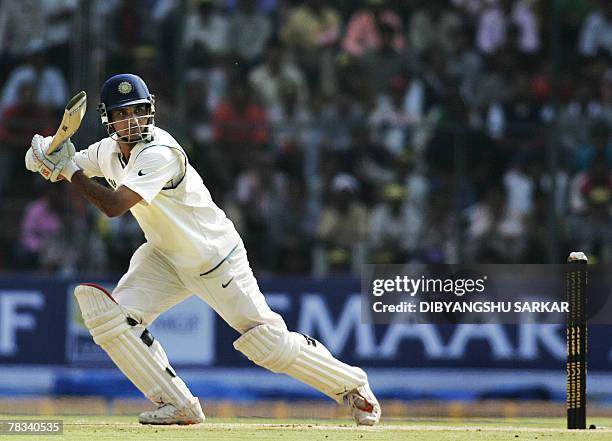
x,y
125,87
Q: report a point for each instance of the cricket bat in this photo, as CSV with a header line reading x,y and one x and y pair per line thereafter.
x,y
73,115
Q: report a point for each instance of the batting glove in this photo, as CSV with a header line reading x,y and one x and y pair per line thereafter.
x,y
51,166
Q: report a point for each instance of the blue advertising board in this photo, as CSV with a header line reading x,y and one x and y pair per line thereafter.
x,y
40,324
33,318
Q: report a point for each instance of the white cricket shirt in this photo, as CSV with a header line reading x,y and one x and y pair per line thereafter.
x,y
177,213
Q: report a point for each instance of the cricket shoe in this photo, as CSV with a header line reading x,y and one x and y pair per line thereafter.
x,y
364,405
168,414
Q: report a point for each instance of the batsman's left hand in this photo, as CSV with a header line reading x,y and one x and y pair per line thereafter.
x,y
51,166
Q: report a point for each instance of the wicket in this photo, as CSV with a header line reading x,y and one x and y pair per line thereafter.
x,y
576,340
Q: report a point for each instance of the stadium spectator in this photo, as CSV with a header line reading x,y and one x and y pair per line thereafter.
x,y
206,34
594,179
596,32
21,25
498,19
363,31
577,111
334,119
42,221
592,231
311,26
248,33
521,113
520,183
312,30
374,165
118,237
384,62
275,72
293,231
240,130
342,228
19,122
433,25
393,231
59,16
199,122
390,121
292,123
437,242
260,193
465,65
599,146
51,91
495,232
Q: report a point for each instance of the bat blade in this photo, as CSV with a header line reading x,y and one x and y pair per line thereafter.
x,y
73,115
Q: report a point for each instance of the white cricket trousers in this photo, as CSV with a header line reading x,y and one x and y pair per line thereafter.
x,y
153,285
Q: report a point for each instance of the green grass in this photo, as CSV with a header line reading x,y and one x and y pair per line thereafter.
x,y
84,428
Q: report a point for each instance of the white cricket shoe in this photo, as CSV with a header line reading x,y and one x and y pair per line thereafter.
x,y
364,405
168,414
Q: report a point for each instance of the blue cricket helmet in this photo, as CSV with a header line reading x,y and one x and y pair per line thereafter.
x,y
124,90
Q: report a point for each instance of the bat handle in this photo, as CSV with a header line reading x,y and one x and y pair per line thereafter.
x,y
53,146
56,142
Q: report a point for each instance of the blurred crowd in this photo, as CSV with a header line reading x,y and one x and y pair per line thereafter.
x,y
333,133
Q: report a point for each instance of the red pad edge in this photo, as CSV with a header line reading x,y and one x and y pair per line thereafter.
x,y
93,285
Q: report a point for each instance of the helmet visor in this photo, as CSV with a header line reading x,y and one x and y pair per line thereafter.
x,y
128,103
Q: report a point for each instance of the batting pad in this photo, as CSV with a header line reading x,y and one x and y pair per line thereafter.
x,y
133,349
301,357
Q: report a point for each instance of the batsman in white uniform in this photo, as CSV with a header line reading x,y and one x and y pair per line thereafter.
x,y
191,247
